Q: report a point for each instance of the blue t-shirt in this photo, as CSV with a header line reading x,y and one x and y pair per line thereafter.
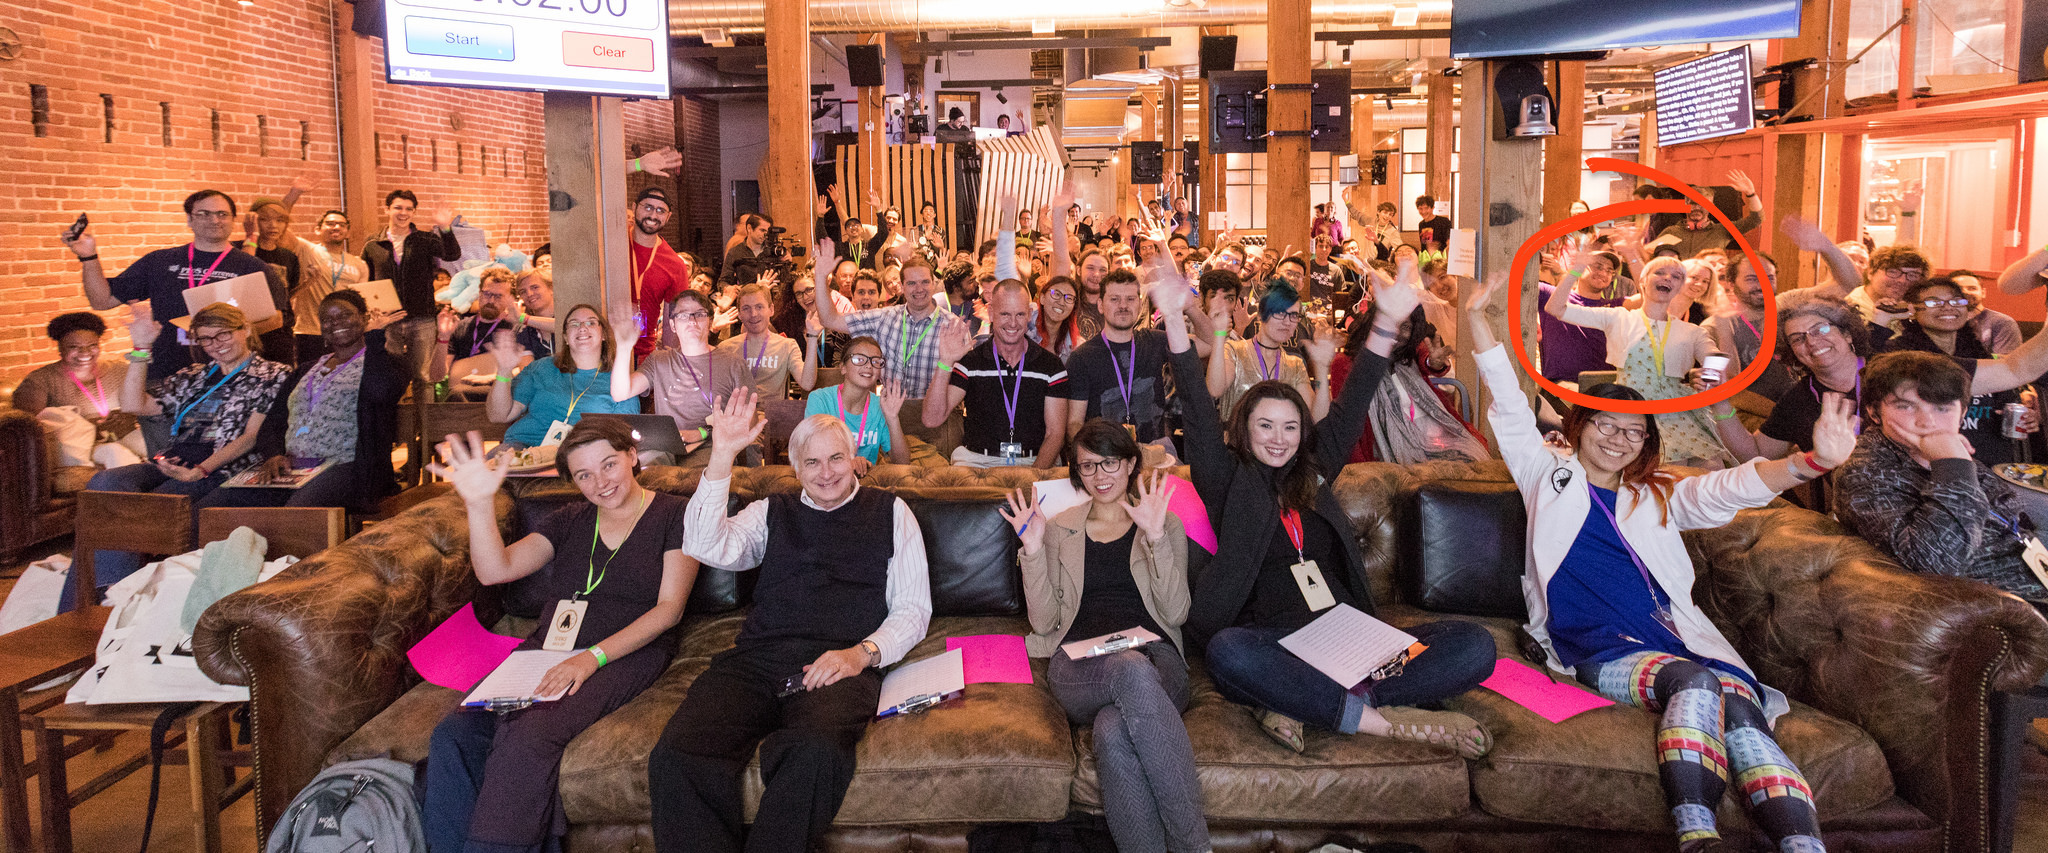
x,y
551,395
870,427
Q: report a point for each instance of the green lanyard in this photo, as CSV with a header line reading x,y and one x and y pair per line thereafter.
x,y
592,575
910,346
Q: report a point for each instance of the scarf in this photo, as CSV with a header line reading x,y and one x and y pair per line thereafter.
x,y
1410,423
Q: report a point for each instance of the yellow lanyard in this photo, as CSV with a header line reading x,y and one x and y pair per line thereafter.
x,y
1656,342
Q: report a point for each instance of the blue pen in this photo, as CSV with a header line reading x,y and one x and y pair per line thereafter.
x,y
1034,514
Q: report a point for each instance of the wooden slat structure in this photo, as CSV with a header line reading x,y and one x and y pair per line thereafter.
x,y
1030,167
910,175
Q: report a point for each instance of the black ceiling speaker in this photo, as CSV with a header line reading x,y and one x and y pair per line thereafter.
x,y
1219,53
864,65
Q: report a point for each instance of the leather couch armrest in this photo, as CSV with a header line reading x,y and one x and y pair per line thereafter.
x,y
322,646
25,458
1911,658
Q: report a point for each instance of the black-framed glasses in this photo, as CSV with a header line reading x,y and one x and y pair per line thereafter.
x,y
210,340
1819,329
1100,466
1953,302
1633,435
863,360
1059,296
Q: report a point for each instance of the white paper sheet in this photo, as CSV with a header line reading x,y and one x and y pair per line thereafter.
x,y
1084,648
518,677
1461,257
937,675
1347,645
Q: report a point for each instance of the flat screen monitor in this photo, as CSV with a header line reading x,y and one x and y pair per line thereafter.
x,y
1481,28
604,47
1705,98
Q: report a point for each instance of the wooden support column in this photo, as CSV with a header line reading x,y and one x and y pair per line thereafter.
x,y
1564,154
1363,143
1441,131
358,120
588,217
873,138
1648,145
1502,183
787,165
1807,167
1287,52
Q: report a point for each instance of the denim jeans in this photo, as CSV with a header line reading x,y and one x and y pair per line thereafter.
x,y
110,567
1133,698
1250,667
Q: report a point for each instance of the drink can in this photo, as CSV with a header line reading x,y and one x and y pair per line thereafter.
x,y
2014,412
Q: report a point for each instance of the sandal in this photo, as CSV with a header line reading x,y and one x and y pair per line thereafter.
x,y
1285,730
1447,729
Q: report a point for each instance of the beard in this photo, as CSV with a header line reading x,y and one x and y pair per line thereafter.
x,y
648,226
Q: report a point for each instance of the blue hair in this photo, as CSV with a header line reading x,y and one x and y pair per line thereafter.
x,y
1280,296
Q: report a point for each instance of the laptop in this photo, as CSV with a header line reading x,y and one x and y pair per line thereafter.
x,y
380,295
251,293
655,432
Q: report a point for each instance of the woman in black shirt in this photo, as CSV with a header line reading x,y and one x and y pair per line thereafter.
x,y
1267,486
491,779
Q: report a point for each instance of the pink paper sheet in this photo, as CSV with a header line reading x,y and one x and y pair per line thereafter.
x,y
992,658
1535,691
458,653
1194,517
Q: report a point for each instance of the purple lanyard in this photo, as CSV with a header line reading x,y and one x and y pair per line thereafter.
x,y
313,393
710,399
1663,612
1259,350
1813,384
1012,395
753,362
477,341
1123,384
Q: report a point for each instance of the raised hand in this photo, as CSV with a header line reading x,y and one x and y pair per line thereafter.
x,y
823,254
475,476
443,217
446,322
1395,300
1169,292
1834,435
1063,198
893,398
954,342
661,162
379,319
1006,211
249,227
83,246
1155,494
1323,347
1806,235
725,318
733,424
625,328
812,325
505,351
143,330
1021,511
1741,182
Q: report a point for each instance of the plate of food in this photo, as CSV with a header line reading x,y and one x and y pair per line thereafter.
x,y
533,460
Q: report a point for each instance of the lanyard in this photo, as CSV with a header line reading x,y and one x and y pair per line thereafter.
x,y
179,421
859,437
1124,380
592,575
313,393
1291,521
753,362
910,346
1752,328
1663,613
2014,524
1010,395
99,403
1259,350
573,401
710,399
1656,343
191,264
477,339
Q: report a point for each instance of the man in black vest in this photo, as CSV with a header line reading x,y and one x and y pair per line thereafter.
x,y
834,603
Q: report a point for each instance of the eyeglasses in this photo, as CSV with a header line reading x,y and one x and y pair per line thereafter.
x,y
1290,316
1059,296
1820,329
689,316
215,215
584,324
1904,272
1954,302
861,360
210,340
1103,466
1633,435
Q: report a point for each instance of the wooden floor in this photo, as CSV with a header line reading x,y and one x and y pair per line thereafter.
x,y
112,821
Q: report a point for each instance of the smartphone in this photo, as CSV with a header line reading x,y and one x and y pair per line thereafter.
x,y
77,228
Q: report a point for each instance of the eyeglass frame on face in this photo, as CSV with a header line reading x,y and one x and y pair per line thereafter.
x,y
1952,302
210,340
1058,295
861,359
689,316
1800,338
1110,465
1632,435
1294,315
1904,272
212,215
583,324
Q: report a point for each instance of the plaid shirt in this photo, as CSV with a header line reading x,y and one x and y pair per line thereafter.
x,y
911,346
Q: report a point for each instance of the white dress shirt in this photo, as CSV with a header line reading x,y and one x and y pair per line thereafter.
x,y
737,543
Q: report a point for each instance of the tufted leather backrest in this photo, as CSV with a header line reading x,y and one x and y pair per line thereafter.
x,y
1464,549
973,557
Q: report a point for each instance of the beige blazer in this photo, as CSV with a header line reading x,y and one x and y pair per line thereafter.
x,y
1053,578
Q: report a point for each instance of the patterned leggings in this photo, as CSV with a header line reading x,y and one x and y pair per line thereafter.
x,y
1702,711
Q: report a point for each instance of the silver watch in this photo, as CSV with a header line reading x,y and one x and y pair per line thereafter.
x,y
874,651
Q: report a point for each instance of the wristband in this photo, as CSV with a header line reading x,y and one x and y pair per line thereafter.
x,y
1222,333
1574,274
945,368
601,658
502,378
443,340
1807,457
92,257
703,433
1731,414
633,165
1909,213
140,355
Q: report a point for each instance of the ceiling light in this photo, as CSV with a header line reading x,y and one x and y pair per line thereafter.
x,y
1406,16
1347,56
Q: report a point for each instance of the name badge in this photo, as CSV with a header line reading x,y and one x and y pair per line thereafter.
x,y
556,432
1313,589
1010,450
2036,558
568,622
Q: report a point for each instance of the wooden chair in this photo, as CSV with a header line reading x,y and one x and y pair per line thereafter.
x,y
208,751
438,420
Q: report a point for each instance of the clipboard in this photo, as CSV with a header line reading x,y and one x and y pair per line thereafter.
x,y
251,293
380,295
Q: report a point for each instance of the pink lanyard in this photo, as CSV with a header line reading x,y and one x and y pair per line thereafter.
x,y
192,262
861,436
99,403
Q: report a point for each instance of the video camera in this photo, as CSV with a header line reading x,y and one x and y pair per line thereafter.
x,y
778,254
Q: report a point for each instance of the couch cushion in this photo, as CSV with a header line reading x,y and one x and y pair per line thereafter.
x,y
1246,776
401,731
1002,752
972,554
1598,770
71,479
1464,549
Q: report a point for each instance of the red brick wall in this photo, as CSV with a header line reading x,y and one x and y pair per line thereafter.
x,y
267,72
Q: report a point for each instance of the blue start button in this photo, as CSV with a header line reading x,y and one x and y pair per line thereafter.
x,y
462,39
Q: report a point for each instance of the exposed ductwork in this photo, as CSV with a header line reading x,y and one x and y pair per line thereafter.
x,y
688,17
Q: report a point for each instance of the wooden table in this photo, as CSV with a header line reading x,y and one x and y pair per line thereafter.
x,y
28,657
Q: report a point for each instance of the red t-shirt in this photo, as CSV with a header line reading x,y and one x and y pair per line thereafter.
x,y
658,275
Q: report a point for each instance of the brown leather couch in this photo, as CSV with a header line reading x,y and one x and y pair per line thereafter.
x,y
1890,674
38,496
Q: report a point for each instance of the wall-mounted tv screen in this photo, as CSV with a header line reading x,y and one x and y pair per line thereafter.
x,y
1705,98
604,47
1481,28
